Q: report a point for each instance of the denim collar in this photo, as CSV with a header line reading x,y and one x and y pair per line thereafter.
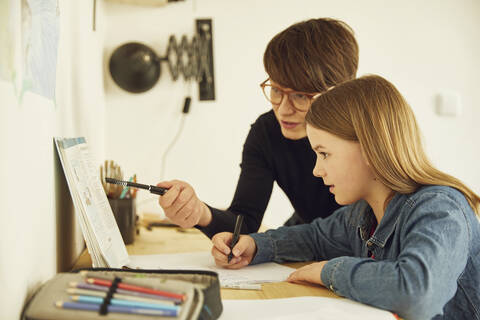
x,y
387,225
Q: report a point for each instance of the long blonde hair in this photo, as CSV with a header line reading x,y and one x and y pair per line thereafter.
x,y
370,110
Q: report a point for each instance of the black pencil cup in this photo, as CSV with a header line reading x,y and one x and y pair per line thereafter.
x,y
125,215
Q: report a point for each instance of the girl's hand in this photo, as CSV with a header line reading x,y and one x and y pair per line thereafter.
x,y
310,273
243,251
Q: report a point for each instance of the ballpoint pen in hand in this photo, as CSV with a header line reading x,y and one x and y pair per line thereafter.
x,y
152,189
236,235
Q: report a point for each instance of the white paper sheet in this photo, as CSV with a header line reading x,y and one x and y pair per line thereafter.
x,y
305,308
261,273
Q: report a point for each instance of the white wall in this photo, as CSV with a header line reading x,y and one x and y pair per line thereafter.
x,y
423,47
28,194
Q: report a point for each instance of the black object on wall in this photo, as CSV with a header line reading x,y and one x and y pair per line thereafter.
x,y
206,84
135,67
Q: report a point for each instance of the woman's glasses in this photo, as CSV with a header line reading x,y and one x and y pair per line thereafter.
x,y
301,101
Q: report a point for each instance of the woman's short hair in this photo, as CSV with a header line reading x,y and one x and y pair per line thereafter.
x,y
312,55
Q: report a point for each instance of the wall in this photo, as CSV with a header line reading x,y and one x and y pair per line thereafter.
x,y
408,42
39,234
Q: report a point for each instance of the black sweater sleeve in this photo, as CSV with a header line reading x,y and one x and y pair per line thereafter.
x,y
253,191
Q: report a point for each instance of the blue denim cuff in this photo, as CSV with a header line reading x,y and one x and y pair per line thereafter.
x,y
265,250
329,273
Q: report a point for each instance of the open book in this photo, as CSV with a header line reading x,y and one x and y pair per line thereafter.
x,y
99,228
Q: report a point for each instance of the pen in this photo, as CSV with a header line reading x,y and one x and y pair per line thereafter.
x,y
236,235
152,189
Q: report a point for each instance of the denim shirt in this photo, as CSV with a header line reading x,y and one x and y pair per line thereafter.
x,y
426,249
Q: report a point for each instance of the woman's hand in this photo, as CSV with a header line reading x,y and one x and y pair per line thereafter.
x,y
243,252
310,273
182,206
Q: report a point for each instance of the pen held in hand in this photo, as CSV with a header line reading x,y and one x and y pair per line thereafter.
x,y
236,235
153,189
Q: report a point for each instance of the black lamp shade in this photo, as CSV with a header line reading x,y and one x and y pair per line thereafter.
x,y
134,67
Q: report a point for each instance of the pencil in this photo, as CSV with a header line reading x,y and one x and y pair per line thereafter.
x,y
88,286
113,309
125,303
131,287
86,292
125,189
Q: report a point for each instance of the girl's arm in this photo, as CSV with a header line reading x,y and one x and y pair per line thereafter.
x,y
423,277
320,240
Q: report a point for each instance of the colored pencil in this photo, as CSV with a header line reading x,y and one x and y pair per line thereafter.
x,y
135,281
87,286
86,292
131,287
125,303
113,309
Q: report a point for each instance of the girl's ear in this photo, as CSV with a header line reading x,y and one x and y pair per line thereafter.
x,y
365,157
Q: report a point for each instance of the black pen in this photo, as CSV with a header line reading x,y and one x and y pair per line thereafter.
x,y
152,189
236,235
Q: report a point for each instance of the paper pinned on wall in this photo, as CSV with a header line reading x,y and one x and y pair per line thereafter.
x,y
260,273
100,231
305,308
40,39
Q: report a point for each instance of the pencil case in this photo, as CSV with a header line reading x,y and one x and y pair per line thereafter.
x,y
201,291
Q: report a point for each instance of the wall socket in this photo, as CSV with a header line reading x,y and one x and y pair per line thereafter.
x,y
448,103
206,85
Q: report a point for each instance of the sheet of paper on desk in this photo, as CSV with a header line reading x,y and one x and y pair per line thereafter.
x,y
261,273
305,308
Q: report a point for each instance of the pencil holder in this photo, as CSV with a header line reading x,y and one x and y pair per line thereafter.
x,y
125,215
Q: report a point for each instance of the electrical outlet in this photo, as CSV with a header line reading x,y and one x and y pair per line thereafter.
x,y
206,84
448,103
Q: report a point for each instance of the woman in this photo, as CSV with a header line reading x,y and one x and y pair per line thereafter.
x,y
408,239
305,59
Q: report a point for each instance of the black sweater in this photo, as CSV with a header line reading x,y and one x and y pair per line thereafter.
x,y
267,157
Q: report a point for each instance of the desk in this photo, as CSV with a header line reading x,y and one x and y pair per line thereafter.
x,y
176,240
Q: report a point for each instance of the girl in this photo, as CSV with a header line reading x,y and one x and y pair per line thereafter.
x,y
302,60
408,239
